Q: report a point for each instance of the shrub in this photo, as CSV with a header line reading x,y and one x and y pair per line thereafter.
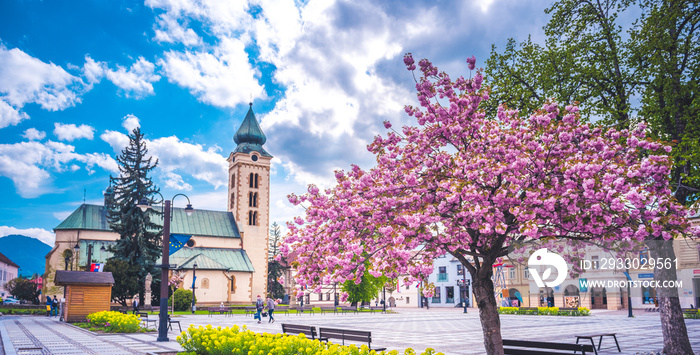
x,y
551,311
115,322
236,340
183,299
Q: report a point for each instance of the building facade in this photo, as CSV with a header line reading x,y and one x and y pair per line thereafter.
x,y
228,247
8,271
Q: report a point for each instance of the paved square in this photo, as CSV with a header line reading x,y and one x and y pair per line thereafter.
x,y
446,330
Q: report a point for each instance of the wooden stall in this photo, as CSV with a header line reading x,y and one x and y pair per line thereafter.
x,y
85,293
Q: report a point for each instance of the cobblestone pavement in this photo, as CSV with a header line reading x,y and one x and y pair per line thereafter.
x,y
446,330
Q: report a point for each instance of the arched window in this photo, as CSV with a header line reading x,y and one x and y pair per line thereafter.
x,y
255,199
255,218
256,181
205,283
252,218
250,199
252,177
232,281
233,181
233,200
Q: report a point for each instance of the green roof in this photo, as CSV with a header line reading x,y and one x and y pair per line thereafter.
x,y
200,223
205,258
249,137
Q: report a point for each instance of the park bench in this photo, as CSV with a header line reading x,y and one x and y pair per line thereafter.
x,y
171,322
301,310
379,308
147,321
328,309
279,309
568,309
307,330
250,310
522,347
346,309
220,310
690,312
527,310
155,309
345,334
600,340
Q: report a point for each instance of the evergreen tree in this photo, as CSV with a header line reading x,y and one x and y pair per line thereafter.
x,y
275,268
139,241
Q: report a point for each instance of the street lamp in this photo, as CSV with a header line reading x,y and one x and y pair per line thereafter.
x,y
384,299
67,259
89,254
144,205
465,291
194,278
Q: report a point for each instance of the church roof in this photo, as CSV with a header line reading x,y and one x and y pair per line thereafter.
x,y
200,223
249,136
205,258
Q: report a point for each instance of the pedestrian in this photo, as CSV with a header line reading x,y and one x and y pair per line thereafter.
x,y
270,309
135,304
259,304
48,306
54,306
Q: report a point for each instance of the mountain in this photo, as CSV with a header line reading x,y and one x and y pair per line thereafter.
x,y
26,252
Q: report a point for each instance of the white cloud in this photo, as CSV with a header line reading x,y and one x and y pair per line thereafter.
x,y
205,165
70,132
25,79
34,134
170,31
174,181
38,233
135,82
28,164
9,116
223,77
62,215
116,140
130,122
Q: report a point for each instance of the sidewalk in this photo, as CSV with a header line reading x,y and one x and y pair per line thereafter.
x,y
43,335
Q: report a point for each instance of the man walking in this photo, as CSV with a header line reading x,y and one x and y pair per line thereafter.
x,y
135,305
54,306
270,309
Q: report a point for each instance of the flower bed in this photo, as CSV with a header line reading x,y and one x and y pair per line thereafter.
x,y
112,322
549,311
239,340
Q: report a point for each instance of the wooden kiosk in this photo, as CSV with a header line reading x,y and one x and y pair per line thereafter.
x,y
85,293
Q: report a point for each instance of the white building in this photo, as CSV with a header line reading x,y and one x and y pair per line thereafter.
x,y
448,277
8,271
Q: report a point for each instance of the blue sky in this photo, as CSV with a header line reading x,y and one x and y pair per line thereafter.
x,y
323,76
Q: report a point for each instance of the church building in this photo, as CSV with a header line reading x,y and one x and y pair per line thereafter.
x,y
229,248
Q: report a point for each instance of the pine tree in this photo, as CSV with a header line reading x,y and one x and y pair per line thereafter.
x,y
139,241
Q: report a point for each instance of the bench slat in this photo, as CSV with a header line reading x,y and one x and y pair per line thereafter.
x,y
546,345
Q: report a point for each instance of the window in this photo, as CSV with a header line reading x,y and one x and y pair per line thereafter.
x,y
233,200
233,181
408,286
442,274
449,294
253,180
511,273
526,273
328,296
459,270
320,297
232,281
594,260
436,296
253,199
644,256
252,218
408,300
205,284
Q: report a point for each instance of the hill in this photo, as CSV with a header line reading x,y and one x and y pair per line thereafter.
x,y
26,252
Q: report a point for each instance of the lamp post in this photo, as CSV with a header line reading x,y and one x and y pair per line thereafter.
x,y
629,296
465,292
335,295
384,299
194,278
165,265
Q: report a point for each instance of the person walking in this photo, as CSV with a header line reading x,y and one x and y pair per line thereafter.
x,y
270,309
135,305
259,305
48,306
54,306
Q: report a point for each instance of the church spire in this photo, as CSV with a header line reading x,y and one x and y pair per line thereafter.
x,y
249,136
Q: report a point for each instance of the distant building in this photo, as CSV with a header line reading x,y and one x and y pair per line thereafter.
x,y
230,247
448,277
8,271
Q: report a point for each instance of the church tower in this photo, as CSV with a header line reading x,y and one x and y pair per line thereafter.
x,y
249,196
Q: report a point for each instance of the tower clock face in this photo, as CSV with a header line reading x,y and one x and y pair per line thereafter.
x,y
254,157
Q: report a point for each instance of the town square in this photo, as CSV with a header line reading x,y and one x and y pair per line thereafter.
x,y
350,177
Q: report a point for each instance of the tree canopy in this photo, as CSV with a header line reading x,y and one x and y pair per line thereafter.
x,y
472,186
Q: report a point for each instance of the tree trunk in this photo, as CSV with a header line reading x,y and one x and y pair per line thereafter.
x,y
488,310
676,341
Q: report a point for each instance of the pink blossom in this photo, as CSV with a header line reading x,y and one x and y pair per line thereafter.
x,y
472,62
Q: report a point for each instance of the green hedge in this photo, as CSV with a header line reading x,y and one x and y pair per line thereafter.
x,y
549,311
239,340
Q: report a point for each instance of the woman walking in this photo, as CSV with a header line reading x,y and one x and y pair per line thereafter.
x,y
259,305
